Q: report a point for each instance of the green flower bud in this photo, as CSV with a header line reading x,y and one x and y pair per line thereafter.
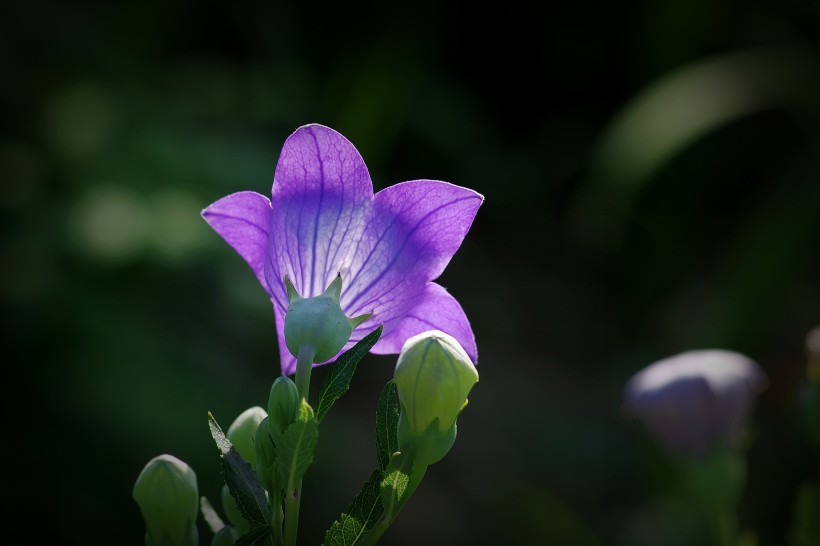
x,y
283,403
167,494
226,536
428,447
265,455
318,322
242,431
232,512
433,375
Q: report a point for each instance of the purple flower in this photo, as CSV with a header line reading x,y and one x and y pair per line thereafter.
x,y
696,401
323,220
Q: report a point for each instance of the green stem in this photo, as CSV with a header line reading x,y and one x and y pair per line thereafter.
x,y
304,364
293,492
389,516
276,511
292,498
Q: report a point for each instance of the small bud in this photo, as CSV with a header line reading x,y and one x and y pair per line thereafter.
x,y
433,375
265,455
167,494
283,403
242,431
232,512
696,401
318,322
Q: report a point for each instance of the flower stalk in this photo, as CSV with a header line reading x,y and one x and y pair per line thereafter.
x,y
293,488
304,365
292,501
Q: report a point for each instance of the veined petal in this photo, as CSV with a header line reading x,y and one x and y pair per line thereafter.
x,y
321,195
242,219
436,310
412,232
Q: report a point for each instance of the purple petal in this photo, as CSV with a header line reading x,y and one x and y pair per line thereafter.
x,y
436,310
413,231
242,219
287,360
321,195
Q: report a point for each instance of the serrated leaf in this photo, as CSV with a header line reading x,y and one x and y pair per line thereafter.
x,y
341,373
241,480
360,516
295,446
258,536
393,487
387,419
215,523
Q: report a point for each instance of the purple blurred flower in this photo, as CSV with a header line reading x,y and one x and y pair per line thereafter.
x,y
696,401
323,220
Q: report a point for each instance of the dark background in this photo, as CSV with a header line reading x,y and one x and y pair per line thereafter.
x,y
652,181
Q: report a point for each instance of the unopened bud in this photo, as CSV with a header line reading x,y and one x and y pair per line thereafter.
x,y
242,431
434,375
283,403
318,322
697,401
167,494
265,455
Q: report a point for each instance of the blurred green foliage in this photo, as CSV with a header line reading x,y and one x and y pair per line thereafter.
x,y
652,182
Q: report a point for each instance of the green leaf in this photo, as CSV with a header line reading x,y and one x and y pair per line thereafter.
x,y
361,515
258,536
295,446
393,487
241,480
387,419
341,373
215,523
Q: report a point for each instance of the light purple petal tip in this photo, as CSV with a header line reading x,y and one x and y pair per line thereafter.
x,y
436,310
321,194
242,219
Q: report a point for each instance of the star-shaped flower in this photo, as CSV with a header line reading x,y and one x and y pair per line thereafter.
x,y
323,220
